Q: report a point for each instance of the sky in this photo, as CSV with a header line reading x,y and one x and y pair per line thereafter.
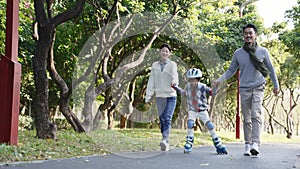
x,y
273,10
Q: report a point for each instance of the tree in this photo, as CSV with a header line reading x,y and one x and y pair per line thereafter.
x,y
290,69
45,25
196,21
211,23
110,34
278,108
285,49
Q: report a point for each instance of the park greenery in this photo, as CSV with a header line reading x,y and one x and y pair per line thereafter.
x,y
72,144
85,63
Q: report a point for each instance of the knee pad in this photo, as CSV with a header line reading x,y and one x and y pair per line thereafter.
x,y
210,125
190,124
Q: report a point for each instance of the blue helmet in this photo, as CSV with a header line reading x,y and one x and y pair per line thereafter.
x,y
194,73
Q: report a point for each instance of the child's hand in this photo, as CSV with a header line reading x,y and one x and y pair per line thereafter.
x,y
214,91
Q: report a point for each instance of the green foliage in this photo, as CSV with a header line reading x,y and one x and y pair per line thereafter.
x,y
215,21
285,57
26,50
291,39
25,123
26,46
134,5
62,124
69,144
2,26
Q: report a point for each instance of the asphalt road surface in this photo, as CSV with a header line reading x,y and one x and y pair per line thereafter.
x,y
272,156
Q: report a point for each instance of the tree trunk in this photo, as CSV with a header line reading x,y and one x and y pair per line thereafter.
x,y
104,53
271,125
65,94
110,119
87,111
97,119
130,124
102,108
71,117
198,125
297,127
45,129
43,34
123,121
289,126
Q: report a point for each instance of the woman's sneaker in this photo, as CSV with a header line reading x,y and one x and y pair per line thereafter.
x,y
247,150
254,149
164,146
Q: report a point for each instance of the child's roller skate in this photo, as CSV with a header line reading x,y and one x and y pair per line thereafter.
x,y
220,147
189,144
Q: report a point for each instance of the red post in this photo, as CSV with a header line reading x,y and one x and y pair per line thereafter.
x,y
10,75
237,116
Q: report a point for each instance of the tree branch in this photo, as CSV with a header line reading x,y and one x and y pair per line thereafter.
x,y
111,11
69,14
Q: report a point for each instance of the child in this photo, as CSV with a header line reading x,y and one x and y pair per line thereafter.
x,y
196,93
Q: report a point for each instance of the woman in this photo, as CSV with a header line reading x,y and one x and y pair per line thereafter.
x,y
163,75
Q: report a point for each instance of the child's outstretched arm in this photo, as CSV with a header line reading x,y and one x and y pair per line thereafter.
x,y
213,91
178,89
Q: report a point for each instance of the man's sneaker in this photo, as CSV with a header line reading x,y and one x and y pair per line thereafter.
x,y
247,150
254,149
164,146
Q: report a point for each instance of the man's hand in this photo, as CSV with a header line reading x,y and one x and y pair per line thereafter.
x,y
275,91
215,83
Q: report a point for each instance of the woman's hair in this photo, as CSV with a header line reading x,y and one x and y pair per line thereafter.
x,y
165,45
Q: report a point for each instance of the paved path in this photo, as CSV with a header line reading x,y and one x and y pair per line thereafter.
x,y
273,156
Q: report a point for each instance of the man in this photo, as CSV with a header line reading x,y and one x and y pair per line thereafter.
x,y
254,64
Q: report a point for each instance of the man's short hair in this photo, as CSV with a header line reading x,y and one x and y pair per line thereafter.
x,y
250,26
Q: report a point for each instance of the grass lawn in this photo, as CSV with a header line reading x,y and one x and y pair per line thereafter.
x,y
71,144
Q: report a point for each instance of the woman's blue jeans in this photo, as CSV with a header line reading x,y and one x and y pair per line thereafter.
x,y
165,107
